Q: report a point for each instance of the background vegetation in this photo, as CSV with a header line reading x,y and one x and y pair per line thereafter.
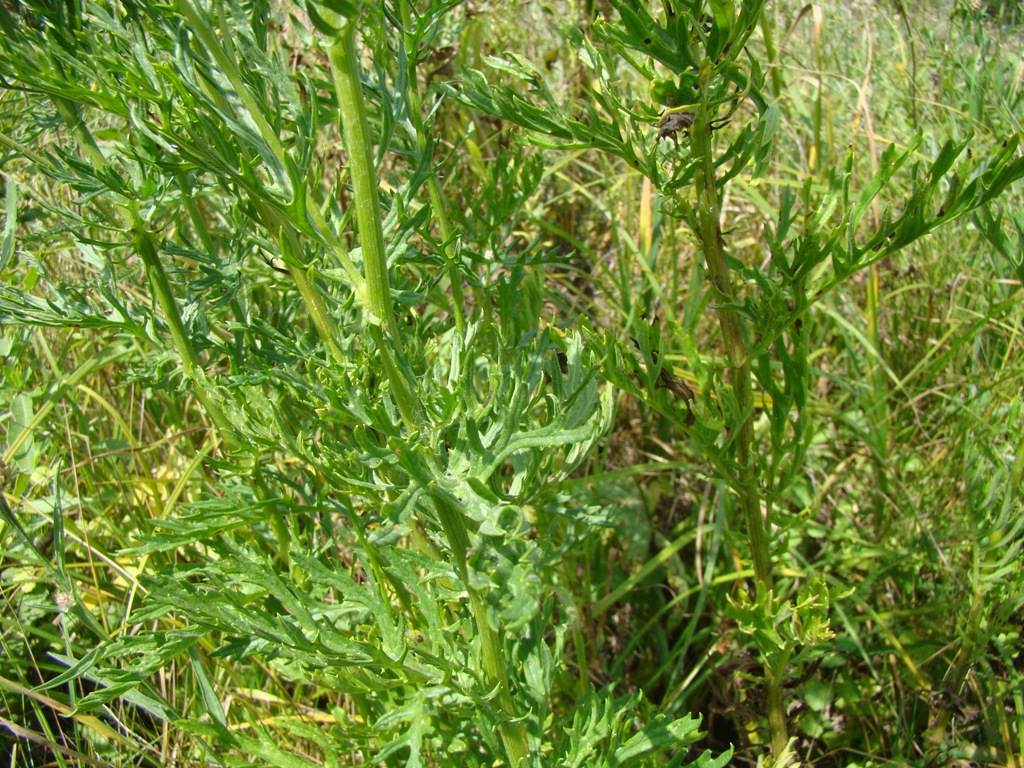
x,y
256,513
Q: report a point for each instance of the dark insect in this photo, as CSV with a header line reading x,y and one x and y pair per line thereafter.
x,y
673,123
676,386
680,389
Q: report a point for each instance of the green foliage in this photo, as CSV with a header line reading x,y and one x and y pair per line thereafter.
x,y
363,408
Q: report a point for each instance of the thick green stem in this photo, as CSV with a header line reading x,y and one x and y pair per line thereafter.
x,y
377,299
161,287
710,234
709,231
349,90
291,249
775,702
222,51
272,151
189,202
322,319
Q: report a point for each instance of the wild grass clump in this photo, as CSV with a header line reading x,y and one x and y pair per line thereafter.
x,y
447,383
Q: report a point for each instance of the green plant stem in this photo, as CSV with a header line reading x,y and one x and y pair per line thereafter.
x,y
437,202
189,201
222,51
322,319
1017,472
273,152
336,249
349,90
710,234
147,252
709,231
513,734
190,362
377,291
291,250
768,34
161,287
775,703
382,328
21,149
275,517
878,411
69,113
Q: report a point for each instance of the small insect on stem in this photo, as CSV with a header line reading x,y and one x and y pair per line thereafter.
x,y
7,474
270,263
673,123
676,386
